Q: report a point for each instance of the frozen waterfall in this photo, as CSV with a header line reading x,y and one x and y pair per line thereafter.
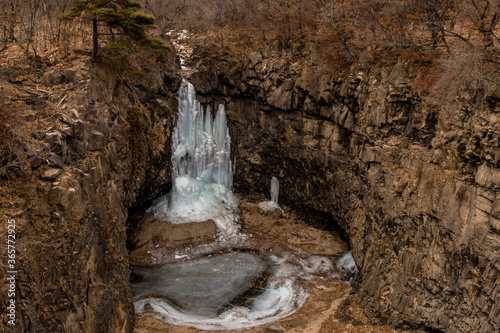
x,y
202,171
201,146
238,280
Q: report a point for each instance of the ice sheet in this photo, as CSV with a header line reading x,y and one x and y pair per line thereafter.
x,y
202,287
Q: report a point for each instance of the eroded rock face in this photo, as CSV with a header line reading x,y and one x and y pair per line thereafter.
x,y
417,195
72,262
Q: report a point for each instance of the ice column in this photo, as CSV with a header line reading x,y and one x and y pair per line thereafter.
x,y
275,189
347,267
272,205
201,149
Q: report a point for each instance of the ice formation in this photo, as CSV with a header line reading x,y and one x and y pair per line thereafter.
x,y
205,285
272,205
202,170
347,267
275,189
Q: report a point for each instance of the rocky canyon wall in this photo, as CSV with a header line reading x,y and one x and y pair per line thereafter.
x,y
413,183
109,149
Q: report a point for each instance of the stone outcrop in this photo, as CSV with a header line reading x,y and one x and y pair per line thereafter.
x,y
108,152
413,183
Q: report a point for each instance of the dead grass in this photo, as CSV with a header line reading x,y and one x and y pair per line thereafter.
x,y
31,108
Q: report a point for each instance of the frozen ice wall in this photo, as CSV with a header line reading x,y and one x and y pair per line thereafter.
x,y
202,171
201,145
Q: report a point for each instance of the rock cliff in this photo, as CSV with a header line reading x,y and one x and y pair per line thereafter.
x,y
109,147
413,182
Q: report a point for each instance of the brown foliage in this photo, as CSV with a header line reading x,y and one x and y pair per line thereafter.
x,y
8,129
430,33
7,120
348,32
30,24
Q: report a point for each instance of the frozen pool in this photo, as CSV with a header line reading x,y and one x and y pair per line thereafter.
x,y
204,286
232,290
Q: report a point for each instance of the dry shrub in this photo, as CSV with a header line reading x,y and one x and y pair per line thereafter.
x,y
466,75
459,72
456,81
7,119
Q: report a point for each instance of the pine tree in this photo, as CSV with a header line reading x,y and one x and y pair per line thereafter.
x,y
122,16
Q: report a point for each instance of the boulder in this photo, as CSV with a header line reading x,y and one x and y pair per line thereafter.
x,y
57,77
50,173
55,161
78,148
97,140
56,142
79,130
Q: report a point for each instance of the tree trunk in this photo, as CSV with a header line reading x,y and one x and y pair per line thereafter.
x,y
95,42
